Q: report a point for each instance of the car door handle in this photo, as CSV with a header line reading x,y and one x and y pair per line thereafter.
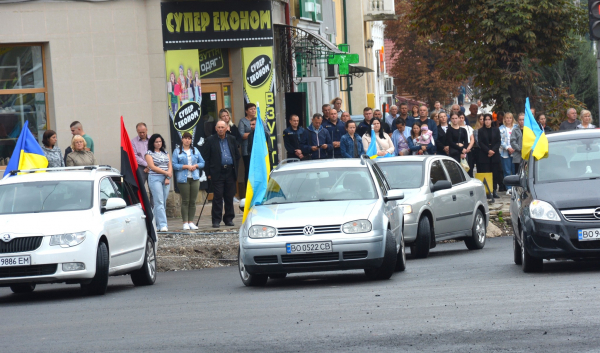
x,y
127,220
453,197
471,193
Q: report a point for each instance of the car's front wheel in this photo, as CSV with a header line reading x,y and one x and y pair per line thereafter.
x,y
528,262
420,249
477,239
249,279
99,283
386,270
146,275
22,288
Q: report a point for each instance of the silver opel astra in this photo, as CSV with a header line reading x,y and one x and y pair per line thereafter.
x,y
324,215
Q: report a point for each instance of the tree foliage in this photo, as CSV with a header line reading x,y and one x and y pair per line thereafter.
x,y
554,104
419,66
500,40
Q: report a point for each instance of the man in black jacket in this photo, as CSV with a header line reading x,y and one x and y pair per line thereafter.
x,y
222,155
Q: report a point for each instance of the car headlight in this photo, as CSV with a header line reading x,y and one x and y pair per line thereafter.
x,y
543,210
68,239
358,226
261,232
406,209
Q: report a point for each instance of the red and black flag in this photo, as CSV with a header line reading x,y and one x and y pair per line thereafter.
x,y
130,172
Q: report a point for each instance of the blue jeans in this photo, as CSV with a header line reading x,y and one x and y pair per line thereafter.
x,y
508,168
160,191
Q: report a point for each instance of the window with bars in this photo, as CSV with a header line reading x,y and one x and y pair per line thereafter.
x,y
23,95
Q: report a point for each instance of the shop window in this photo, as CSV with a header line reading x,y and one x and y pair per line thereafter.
x,y
23,95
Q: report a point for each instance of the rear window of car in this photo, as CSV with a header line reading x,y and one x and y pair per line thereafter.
x,y
403,175
46,196
333,184
569,160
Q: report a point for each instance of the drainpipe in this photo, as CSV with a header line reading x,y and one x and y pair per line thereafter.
x,y
346,42
288,22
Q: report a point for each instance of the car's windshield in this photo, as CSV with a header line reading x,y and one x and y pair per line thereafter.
x,y
569,160
333,184
45,196
403,175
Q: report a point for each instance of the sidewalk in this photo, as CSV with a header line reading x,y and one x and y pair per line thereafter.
x,y
205,224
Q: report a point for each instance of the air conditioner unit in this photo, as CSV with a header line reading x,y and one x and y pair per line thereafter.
x,y
389,84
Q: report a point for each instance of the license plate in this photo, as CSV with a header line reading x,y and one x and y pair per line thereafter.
x,y
15,261
588,234
309,248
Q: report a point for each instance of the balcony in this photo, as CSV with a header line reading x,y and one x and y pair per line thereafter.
x,y
379,10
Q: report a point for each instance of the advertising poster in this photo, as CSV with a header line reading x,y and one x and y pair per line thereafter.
x,y
184,92
259,88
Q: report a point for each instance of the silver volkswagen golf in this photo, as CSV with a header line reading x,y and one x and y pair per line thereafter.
x,y
323,215
440,202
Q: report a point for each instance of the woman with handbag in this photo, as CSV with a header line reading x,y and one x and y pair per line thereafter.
x,y
187,163
456,139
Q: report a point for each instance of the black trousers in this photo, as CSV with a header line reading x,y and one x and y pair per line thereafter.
x,y
471,158
223,192
246,160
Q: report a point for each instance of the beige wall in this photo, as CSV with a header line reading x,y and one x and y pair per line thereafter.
x,y
356,39
104,60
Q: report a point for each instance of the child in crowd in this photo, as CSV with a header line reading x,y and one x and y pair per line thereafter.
x,y
426,136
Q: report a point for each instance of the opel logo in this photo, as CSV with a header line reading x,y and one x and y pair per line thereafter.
x,y
309,230
597,213
6,238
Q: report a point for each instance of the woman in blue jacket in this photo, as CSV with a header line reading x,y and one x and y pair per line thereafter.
x,y
350,143
187,163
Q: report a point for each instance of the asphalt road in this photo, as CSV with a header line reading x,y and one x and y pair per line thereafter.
x,y
455,301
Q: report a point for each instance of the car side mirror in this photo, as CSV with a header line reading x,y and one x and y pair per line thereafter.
x,y
512,180
242,204
114,203
394,195
441,185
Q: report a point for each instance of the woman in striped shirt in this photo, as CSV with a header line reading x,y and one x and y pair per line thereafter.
x,y
159,178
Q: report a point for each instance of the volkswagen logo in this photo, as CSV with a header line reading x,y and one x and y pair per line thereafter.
x,y
6,237
597,213
309,230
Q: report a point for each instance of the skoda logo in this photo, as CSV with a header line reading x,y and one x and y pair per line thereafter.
x,y
597,213
6,237
309,230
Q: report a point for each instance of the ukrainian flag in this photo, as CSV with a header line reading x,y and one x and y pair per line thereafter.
x,y
27,154
258,173
534,138
372,150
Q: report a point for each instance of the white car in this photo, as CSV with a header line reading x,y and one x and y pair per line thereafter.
x,y
76,225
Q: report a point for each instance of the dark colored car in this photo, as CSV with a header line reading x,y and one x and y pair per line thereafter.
x,y
555,206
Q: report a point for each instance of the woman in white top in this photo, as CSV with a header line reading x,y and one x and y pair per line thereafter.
x,y
586,120
384,142
506,151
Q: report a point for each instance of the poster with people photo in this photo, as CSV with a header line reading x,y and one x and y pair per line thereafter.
x,y
184,92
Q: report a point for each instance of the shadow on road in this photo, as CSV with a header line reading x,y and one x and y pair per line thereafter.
x,y
438,253
567,266
325,279
45,293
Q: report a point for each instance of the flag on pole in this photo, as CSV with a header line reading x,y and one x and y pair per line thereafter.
x,y
131,174
259,169
372,150
27,154
534,138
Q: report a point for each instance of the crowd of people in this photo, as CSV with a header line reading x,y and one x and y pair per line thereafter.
x,y
489,143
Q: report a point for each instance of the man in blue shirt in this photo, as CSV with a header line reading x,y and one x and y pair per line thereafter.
x,y
336,129
293,138
318,142
424,119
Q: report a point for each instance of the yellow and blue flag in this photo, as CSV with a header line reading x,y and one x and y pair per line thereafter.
x,y
534,138
259,170
372,150
27,154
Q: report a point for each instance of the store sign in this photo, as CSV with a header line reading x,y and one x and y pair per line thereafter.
x,y
211,60
259,71
187,117
311,10
216,24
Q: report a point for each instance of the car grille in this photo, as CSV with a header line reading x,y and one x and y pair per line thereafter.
x,y
272,259
28,271
282,232
20,245
328,256
352,255
580,215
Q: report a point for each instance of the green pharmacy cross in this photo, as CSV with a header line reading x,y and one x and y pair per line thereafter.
x,y
343,61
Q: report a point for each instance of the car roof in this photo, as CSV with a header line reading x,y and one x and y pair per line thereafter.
x,y
415,158
321,163
58,175
573,134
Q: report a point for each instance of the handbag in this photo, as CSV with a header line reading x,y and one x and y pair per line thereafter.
x,y
464,164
